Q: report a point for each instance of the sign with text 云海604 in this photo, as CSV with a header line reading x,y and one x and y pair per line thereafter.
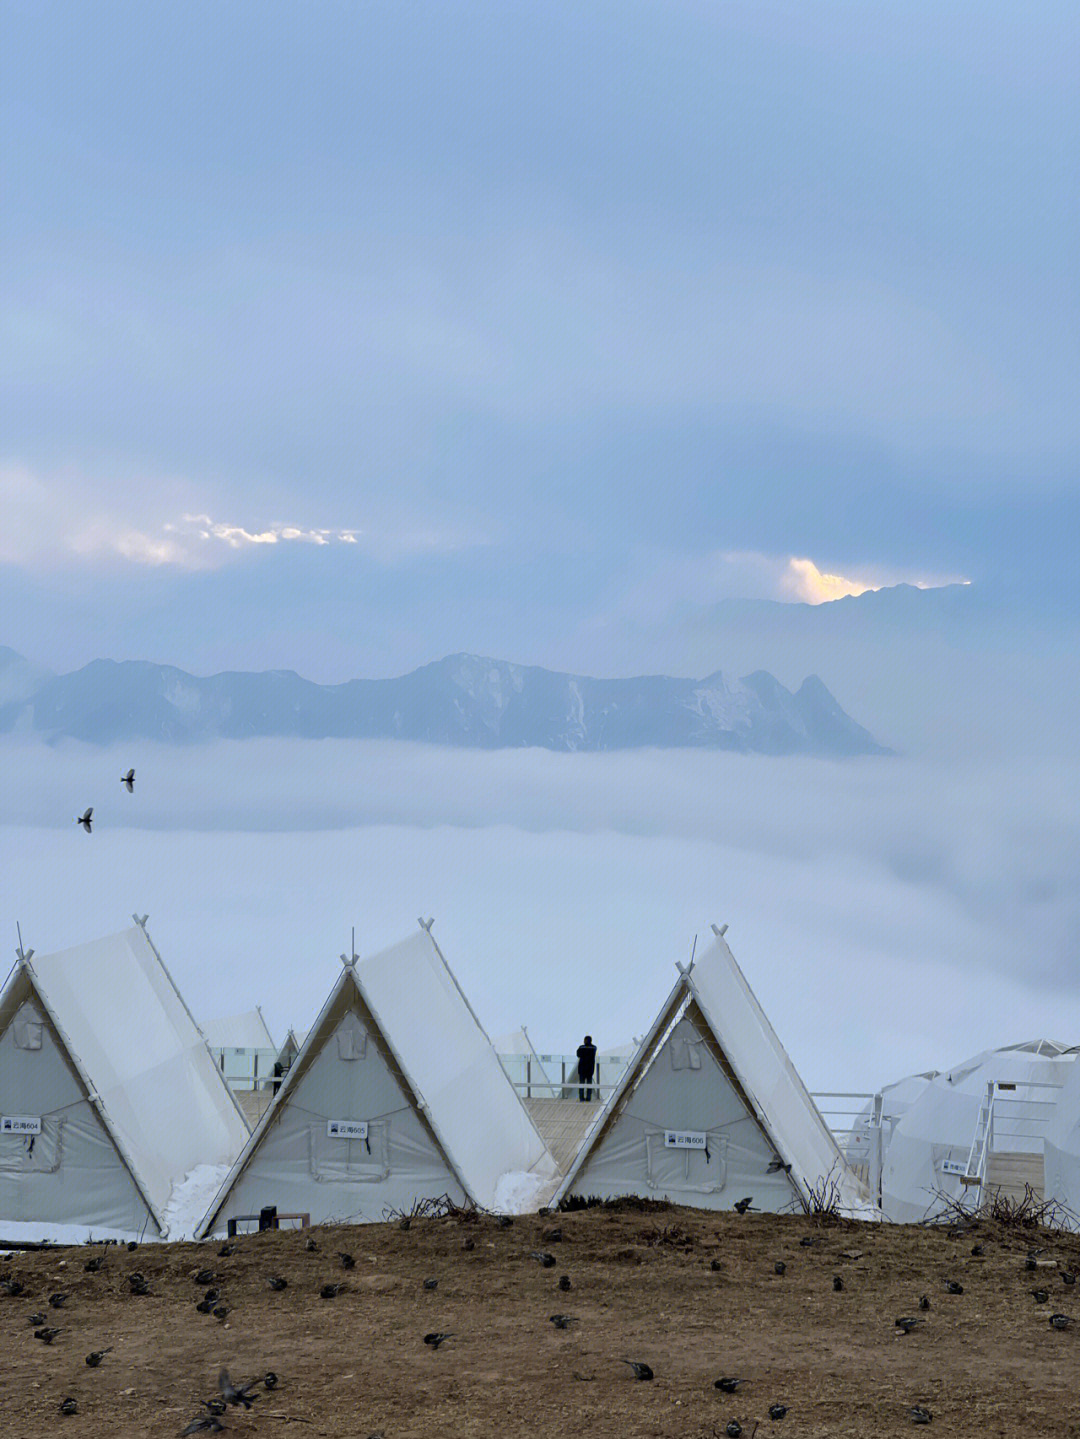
x,y
684,1139
20,1124
346,1128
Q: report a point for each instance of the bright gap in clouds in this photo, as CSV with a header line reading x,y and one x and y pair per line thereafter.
x,y
891,915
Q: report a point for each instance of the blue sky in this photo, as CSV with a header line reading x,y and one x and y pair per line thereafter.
x,y
339,337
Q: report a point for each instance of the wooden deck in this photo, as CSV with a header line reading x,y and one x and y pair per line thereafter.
x,y
1007,1174
562,1124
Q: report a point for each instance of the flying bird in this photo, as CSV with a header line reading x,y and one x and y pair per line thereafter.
x,y
742,1205
641,1371
86,820
128,781
777,1166
233,1394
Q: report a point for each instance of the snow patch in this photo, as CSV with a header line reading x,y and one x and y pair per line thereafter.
x,y
519,1192
191,1198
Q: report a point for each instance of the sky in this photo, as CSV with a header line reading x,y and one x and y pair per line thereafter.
x,y
615,338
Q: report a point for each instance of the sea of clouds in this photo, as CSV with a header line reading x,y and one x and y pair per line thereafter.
x,y
892,914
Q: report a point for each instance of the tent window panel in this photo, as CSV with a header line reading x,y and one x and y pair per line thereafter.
x,y
351,1041
350,1160
33,1153
27,1030
703,1171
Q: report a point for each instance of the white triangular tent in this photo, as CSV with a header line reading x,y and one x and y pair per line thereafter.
x,y
395,1096
711,1110
108,1094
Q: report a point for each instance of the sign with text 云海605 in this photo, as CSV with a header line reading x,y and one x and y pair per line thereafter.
x,y
20,1124
346,1128
684,1139
953,1166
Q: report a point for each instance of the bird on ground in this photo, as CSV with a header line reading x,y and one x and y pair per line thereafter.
x,y
733,1429
205,1306
12,1287
347,1261
215,1406
277,1284
726,1385
552,1236
977,1251
468,1245
45,1334
716,1265
1067,1277
204,1424
92,1266
779,1267
1040,1296
226,1250
918,1415
68,1406
269,1380
203,1276
777,1411
211,1296
504,1221
641,1371
837,1283
1030,1263
132,1244
86,820
434,1339
56,1301
562,1321
1034,1253
906,1324
139,1285
807,1241
951,1287
236,1394
94,1358
330,1291
404,1223
37,1319
546,1261
128,781
311,1247
924,1301
742,1205
220,1312
431,1284
564,1283
1060,1321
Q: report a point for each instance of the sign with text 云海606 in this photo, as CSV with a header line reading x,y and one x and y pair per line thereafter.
x,y
684,1139
20,1124
346,1128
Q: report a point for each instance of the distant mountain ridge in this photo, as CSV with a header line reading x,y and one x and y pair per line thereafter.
x,y
463,700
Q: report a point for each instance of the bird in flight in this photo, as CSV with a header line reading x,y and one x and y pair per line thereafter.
x,y
128,781
86,820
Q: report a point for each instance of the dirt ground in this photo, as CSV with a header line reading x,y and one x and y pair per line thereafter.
x,y
644,1287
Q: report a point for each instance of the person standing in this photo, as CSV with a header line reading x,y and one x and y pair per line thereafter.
x,y
586,1067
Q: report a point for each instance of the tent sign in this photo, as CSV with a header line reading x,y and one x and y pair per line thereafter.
x,y
953,1166
19,1124
346,1128
684,1139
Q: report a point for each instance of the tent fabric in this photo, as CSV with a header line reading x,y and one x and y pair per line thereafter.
x,y
397,1049
120,1034
239,1031
934,1133
709,1105
1062,1146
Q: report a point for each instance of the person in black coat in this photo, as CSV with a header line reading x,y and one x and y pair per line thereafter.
x,y
586,1067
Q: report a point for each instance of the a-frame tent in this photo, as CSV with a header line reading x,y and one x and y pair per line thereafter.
x,y
108,1094
396,1096
711,1110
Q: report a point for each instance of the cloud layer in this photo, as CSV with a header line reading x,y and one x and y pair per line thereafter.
x,y
565,886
